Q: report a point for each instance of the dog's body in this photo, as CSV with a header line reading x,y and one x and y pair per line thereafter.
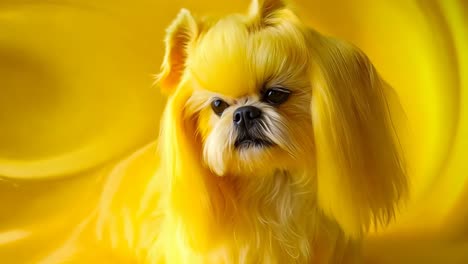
x,y
276,143
276,146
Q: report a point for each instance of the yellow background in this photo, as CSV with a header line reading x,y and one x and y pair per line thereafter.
x,y
76,95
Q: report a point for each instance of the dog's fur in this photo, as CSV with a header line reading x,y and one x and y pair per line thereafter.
x,y
333,168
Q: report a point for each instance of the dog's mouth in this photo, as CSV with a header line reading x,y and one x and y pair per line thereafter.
x,y
250,142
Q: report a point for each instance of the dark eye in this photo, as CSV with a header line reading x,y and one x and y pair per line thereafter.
x,y
219,106
276,95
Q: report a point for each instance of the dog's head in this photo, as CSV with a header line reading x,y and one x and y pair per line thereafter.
x,y
256,93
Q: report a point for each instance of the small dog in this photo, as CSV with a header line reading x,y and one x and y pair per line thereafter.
x,y
276,143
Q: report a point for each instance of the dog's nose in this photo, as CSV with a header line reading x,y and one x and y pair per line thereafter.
x,y
245,114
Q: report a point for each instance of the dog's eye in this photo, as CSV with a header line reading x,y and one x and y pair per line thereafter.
x,y
276,95
219,106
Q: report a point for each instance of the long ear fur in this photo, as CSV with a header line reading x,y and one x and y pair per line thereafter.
x,y
360,170
179,36
191,191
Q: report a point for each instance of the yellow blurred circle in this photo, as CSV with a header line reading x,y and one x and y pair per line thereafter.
x,y
76,89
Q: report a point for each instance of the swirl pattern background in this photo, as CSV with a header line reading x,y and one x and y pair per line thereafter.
x,y
76,95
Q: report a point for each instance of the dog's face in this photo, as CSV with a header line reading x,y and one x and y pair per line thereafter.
x,y
251,97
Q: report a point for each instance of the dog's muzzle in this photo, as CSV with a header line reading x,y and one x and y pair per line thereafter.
x,y
247,120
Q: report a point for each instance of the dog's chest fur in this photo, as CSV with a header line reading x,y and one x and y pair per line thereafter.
x,y
272,220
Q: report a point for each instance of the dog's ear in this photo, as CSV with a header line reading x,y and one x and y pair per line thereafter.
x,y
360,169
262,9
179,37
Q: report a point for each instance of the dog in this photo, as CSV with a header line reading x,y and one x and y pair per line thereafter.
x,y
277,145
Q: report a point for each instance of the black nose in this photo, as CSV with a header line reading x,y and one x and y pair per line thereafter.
x,y
245,114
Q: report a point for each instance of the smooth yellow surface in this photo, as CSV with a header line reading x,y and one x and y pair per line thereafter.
x,y
76,95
